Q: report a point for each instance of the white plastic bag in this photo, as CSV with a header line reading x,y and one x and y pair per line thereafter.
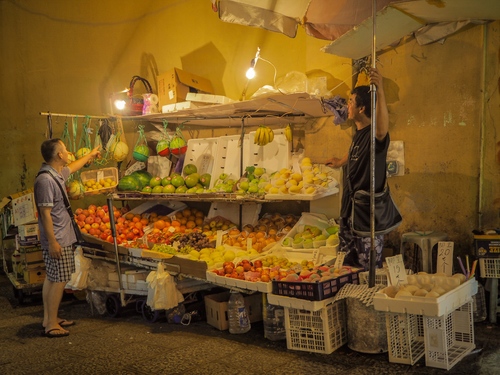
x,y
162,291
80,276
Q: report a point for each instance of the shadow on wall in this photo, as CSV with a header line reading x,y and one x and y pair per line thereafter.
x,y
206,62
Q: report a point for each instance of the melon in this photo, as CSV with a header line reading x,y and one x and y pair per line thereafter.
x,y
120,151
162,148
141,153
128,183
143,178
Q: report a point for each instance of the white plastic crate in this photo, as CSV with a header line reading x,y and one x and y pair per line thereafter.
x,y
490,267
381,276
405,338
322,331
449,338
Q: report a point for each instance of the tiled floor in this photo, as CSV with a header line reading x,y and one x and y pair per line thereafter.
x,y
129,344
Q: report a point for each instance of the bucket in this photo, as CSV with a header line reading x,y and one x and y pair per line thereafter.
x,y
366,328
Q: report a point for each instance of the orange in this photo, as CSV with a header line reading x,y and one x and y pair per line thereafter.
x,y
190,224
145,221
160,224
175,223
129,216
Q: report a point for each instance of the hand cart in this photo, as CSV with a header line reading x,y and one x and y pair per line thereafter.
x,y
117,298
21,288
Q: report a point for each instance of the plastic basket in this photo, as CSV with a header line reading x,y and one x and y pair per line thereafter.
x,y
105,175
490,267
381,276
322,331
449,338
405,338
314,291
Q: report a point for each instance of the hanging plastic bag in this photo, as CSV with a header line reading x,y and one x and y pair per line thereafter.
x,y
80,276
141,149
163,145
162,290
117,144
178,144
85,145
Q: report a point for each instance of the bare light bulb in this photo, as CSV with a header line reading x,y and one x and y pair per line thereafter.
x,y
120,104
250,73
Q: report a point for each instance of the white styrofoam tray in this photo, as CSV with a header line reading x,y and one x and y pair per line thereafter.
x,y
250,212
444,304
202,153
229,282
228,155
303,197
274,156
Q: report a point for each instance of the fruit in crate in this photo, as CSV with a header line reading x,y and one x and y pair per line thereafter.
x,y
425,285
95,221
92,185
317,274
255,239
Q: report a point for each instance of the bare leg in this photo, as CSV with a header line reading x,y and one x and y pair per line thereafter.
x,y
52,293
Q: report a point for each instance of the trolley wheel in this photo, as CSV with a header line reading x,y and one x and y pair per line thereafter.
x,y
149,314
113,305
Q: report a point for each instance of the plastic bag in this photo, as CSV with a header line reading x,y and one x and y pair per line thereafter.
x,y
162,290
80,276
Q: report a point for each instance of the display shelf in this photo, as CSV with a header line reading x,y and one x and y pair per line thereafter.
x,y
223,197
275,109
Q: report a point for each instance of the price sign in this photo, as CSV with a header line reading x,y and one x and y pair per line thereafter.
x,y
445,257
339,262
249,243
397,270
218,238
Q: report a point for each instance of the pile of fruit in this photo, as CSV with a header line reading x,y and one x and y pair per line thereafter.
x,y
274,268
312,237
425,285
92,185
268,230
95,221
311,179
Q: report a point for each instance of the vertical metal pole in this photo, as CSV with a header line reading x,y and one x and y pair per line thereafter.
x,y
373,90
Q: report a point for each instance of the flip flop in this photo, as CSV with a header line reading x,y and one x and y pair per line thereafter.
x,y
65,323
50,333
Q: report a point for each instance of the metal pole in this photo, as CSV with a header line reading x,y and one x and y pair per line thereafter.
x,y
373,90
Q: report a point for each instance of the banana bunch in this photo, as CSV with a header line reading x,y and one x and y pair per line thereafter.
x,y
263,135
288,133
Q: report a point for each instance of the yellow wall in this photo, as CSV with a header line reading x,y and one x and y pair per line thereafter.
x,y
67,57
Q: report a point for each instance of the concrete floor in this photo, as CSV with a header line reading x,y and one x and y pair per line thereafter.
x,y
128,344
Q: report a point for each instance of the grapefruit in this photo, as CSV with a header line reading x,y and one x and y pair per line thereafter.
x,y
192,179
178,181
190,169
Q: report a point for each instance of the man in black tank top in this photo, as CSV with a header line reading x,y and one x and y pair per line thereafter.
x,y
356,167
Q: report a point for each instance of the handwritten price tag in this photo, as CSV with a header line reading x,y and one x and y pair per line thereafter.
x,y
445,257
339,262
397,270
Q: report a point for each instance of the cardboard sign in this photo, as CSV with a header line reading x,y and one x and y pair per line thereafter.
x,y
397,271
445,257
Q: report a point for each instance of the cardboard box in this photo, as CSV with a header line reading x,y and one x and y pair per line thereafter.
x,y
174,85
34,265
23,208
28,230
487,245
34,276
32,255
216,309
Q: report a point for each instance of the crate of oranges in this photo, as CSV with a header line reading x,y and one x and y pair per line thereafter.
x,y
99,181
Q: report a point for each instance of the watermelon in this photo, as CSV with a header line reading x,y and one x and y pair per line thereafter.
x,y
143,178
128,183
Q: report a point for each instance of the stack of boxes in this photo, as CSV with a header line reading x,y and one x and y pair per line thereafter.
x,y
31,265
